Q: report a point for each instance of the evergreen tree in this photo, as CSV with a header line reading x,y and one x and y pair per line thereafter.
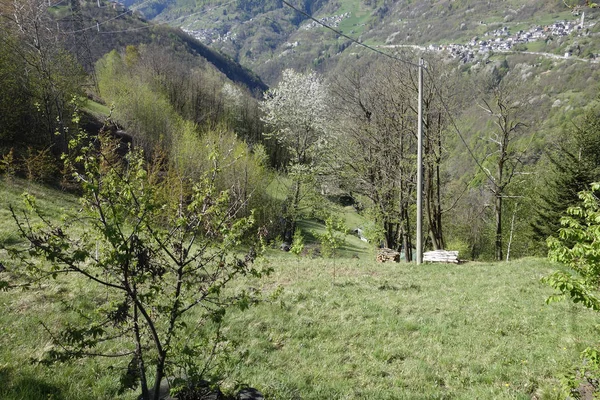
x,y
575,165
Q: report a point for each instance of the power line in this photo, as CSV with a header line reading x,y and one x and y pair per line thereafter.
x,y
97,25
149,26
351,38
444,105
455,126
420,66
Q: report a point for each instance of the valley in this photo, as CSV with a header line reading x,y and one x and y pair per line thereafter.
x,y
201,196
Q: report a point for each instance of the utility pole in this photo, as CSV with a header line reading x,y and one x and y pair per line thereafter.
x,y
420,168
80,41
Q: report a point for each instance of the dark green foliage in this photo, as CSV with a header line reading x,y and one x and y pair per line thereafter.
x,y
16,109
575,164
226,65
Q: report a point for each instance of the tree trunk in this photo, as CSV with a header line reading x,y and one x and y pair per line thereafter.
x,y
138,351
160,373
498,227
292,214
406,239
433,183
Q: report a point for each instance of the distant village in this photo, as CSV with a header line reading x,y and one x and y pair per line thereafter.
x,y
503,40
499,40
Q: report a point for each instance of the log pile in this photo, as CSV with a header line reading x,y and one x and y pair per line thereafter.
x,y
443,256
385,255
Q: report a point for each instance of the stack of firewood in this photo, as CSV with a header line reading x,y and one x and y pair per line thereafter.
x,y
443,256
385,255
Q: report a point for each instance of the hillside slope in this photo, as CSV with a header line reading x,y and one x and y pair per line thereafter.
x,y
112,26
269,36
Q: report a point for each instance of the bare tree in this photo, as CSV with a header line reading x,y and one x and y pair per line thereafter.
x,y
378,123
54,75
377,146
506,145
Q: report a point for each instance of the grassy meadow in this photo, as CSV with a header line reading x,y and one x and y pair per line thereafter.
x,y
347,328
398,331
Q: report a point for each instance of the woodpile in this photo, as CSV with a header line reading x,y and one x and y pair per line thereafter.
x,y
385,255
443,256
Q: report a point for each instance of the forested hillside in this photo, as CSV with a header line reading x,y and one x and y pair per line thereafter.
x,y
496,125
76,67
162,89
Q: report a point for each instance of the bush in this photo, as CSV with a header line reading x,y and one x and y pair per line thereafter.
x,y
8,166
578,247
158,248
40,165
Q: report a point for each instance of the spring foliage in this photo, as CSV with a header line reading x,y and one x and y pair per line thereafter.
x,y
578,247
296,110
160,247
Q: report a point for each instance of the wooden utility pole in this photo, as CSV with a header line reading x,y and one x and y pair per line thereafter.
x,y
420,169
80,41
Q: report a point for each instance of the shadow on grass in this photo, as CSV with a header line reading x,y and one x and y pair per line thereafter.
x,y
351,247
26,387
308,230
310,227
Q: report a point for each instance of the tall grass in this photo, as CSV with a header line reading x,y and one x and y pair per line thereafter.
x,y
395,331
378,331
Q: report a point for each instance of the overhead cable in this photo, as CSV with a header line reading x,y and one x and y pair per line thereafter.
x,y
350,38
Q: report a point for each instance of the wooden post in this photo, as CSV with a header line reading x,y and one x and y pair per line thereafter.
x,y
420,169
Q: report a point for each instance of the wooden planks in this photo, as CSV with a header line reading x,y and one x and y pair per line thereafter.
x,y
443,256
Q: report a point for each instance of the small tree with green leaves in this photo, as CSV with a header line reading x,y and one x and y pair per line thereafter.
x,y
332,239
297,244
161,248
578,247
7,165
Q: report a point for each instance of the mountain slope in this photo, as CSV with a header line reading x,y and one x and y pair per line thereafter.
x,y
270,35
111,27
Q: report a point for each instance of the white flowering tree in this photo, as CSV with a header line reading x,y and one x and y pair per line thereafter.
x,y
296,112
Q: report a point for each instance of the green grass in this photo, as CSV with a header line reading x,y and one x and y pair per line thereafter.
x,y
372,331
23,341
99,110
538,45
397,331
53,202
359,16
550,18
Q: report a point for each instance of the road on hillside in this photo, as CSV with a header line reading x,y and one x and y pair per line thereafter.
x,y
534,53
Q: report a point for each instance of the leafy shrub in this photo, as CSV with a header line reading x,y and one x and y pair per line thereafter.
x,y
297,244
7,164
578,247
158,248
40,165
